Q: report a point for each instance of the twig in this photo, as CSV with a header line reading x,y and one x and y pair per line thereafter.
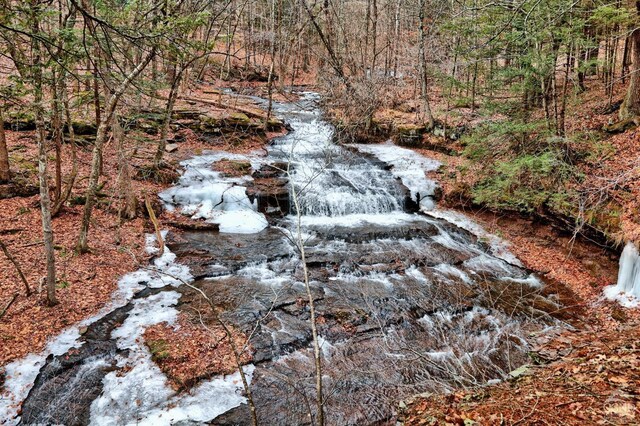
x,y
35,243
17,266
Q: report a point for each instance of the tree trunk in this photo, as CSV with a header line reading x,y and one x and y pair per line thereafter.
x,y
74,155
631,105
129,203
273,60
101,137
5,170
96,90
56,124
374,36
422,68
396,35
45,201
166,122
625,61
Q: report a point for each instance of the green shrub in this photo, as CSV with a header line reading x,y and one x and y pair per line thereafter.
x,y
519,166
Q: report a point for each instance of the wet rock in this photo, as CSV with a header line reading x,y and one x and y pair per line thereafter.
x,y
271,196
270,171
233,250
67,384
236,416
371,232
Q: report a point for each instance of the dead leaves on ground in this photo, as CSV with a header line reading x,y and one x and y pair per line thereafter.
x,y
190,351
598,383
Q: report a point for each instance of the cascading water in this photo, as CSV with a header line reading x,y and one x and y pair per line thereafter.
x,y
627,290
406,303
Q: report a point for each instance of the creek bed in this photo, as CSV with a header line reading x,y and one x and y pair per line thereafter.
x,y
406,302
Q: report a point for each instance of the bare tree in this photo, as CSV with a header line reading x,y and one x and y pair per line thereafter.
x,y
101,137
631,104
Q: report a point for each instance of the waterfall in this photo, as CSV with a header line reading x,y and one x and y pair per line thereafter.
x,y
627,291
384,277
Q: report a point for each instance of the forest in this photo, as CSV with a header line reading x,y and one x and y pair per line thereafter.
x,y
319,212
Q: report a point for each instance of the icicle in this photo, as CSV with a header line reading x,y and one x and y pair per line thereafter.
x,y
627,291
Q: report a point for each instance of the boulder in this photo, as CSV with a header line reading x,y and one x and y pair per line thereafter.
x,y
410,134
271,195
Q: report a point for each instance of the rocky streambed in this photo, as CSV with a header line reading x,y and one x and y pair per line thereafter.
x,y
408,300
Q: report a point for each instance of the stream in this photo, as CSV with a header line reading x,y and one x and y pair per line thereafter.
x,y
409,298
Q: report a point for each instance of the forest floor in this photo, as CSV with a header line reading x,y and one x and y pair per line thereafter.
x,y
86,282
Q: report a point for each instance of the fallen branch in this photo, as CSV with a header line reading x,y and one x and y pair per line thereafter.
x,y
4,248
154,220
6,308
35,243
249,112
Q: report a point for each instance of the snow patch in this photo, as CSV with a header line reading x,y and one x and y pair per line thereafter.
x,y
203,193
21,374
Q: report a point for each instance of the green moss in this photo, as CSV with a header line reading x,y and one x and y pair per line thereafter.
x,y
411,130
158,349
238,119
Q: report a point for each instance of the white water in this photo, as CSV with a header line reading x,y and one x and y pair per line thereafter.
x,y
627,290
499,247
410,167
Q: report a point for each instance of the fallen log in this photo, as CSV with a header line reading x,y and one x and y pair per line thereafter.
x,y
249,112
623,125
193,225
